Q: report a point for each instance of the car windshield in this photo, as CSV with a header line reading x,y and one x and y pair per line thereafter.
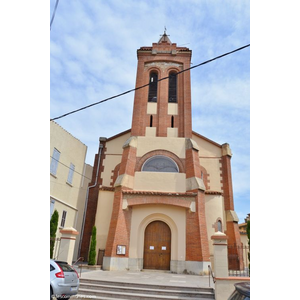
x,y
65,267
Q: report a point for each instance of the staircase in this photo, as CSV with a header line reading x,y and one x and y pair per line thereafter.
x,y
109,290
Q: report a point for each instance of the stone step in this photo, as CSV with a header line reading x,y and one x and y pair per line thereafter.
x,y
142,285
96,294
100,289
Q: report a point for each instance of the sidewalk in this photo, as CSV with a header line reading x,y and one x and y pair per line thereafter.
x,y
149,277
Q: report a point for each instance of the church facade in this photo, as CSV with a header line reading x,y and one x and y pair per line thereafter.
x,y
159,191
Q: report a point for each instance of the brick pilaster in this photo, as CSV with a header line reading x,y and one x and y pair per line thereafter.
x,y
119,229
197,247
232,230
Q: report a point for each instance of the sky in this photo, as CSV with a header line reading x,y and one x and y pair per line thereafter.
x,y
93,48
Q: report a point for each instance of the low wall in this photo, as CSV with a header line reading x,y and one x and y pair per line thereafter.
x,y
225,286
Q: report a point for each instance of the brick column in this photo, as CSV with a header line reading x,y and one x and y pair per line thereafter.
x,y
119,230
232,227
197,248
120,223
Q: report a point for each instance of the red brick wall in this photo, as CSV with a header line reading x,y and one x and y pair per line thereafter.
x,y
227,183
162,120
197,248
91,209
232,230
128,161
119,229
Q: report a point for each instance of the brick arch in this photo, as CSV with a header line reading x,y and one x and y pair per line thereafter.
x,y
115,174
141,160
215,225
172,69
155,69
205,177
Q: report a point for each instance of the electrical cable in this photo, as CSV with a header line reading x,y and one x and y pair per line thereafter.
x,y
69,168
52,18
140,87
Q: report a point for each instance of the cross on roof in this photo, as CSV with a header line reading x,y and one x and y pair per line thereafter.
x,y
164,37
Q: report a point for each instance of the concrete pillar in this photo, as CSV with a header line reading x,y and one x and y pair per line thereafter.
x,y
220,255
67,244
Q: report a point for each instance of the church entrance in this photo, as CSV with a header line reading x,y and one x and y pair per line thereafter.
x,y
157,246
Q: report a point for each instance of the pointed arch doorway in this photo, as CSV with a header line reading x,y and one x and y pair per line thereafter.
x,y
157,246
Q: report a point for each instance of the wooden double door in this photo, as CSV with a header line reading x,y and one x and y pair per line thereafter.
x,y
157,246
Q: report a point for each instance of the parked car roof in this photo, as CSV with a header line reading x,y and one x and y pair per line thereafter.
x,y
243,288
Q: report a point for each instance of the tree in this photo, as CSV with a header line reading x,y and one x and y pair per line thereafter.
x,y
92,252
53,228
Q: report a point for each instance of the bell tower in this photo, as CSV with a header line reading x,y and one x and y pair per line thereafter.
x,y
163,109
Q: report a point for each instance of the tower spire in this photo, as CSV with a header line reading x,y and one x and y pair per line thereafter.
x,y
164,37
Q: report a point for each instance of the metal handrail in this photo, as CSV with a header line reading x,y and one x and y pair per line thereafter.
x,y
80,258
211,274
80,267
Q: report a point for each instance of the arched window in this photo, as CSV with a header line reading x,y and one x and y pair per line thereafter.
x,y
173,87
160,163
152,96
219,226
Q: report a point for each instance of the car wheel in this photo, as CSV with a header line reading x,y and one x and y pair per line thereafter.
x,y
51,293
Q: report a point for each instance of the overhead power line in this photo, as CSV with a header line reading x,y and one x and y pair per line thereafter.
x,y
69,168
52,18
140,87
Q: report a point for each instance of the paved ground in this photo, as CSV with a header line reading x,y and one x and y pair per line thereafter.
x,y
150,277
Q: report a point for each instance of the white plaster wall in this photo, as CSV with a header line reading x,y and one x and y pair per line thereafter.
x,y
160,181
103,216
172,144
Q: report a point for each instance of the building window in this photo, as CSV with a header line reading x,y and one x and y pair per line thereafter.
x,y
54,161
152,96
52,202
71,172
172,122
219,226
160,163
173,87
63,219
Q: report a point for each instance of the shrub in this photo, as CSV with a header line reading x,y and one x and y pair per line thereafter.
x,y
53,228
92,252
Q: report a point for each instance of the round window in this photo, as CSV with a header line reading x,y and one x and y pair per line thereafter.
x,y
160,163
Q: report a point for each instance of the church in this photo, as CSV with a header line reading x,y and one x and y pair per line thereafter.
x,y
159,190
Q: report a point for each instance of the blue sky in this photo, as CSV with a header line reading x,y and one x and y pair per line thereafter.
x,y
93,56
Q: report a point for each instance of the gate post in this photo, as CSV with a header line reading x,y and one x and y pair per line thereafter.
x,y
67,244
220,254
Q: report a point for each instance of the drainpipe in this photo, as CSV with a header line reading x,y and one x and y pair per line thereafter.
x,y
88,190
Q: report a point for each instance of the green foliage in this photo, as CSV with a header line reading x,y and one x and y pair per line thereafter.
x,y
53,228
92,252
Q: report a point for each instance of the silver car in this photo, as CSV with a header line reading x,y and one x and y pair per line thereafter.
x,y
64,280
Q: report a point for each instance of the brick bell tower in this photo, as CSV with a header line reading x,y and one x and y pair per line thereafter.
x,y
161,127
163,109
